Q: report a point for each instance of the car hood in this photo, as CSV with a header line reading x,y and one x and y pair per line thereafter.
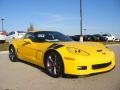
x,y
90,47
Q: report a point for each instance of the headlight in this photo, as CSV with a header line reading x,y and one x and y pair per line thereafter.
x,y
76,51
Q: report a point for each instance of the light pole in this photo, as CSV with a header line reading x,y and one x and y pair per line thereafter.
x,y
81,34
2,23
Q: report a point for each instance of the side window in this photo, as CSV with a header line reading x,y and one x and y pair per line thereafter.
x,y
40,37
30,36
11,33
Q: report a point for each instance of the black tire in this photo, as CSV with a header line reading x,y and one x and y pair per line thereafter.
x,y
12,54
53,64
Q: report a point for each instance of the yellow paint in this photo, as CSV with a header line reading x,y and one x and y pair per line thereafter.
x,y
73,54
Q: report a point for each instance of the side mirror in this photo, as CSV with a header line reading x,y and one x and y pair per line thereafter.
x,y
27,41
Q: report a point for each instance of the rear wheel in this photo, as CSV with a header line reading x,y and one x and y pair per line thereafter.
x,y
12,54
53,64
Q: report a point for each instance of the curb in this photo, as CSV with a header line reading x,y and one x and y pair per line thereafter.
x,y
112,45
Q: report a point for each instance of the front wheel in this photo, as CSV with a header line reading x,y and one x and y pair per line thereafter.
x,y
12,54
53,64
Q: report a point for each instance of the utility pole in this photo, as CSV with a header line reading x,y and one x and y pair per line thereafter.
x,y
81,34
2,24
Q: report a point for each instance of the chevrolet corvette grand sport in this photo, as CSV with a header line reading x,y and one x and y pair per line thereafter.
x,y
59,55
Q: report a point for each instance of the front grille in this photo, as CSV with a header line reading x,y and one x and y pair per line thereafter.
x,y
99,66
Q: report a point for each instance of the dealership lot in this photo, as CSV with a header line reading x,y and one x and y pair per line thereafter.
x,y
23,76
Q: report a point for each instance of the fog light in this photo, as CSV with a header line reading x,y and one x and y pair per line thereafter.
x,y
82,67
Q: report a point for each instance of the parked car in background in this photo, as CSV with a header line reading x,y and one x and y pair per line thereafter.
x,y
85,38
109,37
90,38
95,37
75,37
2,37
15,34
100,37
117,40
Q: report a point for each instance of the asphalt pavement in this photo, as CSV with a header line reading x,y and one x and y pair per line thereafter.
x,y
23,76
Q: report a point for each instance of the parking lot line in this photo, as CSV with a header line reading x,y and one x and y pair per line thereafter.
x,y
2,52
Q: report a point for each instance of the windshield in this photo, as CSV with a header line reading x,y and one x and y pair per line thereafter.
x,y
50,36
107,35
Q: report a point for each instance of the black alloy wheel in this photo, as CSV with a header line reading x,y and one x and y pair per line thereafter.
x,y
12,54
53,64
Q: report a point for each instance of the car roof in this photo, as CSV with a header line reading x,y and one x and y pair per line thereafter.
x,y
40,31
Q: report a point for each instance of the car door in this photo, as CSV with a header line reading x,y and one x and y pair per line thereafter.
x,y
28,49
33,48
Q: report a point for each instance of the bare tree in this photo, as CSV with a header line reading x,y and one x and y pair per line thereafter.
x,y
31,28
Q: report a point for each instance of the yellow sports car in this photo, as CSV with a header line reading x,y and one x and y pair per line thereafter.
x,y
59,54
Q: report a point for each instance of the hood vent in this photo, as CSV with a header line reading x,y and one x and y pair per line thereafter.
x,y
99,50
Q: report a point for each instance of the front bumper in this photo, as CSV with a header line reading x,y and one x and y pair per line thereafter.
x,y
89,64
